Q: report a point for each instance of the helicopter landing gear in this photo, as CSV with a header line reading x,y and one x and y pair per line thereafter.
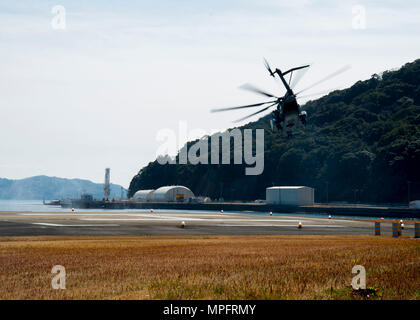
x,y
302,117
276,120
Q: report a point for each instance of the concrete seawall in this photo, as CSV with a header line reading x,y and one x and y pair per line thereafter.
x,y
368,211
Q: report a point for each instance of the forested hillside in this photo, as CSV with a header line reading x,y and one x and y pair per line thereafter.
x,y
360,144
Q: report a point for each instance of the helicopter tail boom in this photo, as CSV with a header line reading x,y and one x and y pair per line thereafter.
x,y
282,74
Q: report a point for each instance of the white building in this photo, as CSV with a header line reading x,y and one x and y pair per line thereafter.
x,y
143,195
172,194
291,196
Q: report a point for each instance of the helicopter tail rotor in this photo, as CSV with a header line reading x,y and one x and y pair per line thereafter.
x,y
267,66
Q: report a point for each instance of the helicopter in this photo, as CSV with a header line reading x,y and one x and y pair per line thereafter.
x,y
288,112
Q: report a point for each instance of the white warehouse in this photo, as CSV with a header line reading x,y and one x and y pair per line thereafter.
x,y
143,195
290,195
172,194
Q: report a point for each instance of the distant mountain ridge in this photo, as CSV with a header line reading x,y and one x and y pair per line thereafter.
x,y
44,187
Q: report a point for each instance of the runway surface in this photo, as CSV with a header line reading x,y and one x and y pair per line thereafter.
x,y
169,223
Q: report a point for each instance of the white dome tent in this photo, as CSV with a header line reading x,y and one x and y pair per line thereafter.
x,y
172,194
143,195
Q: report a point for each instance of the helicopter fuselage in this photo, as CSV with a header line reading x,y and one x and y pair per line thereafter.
x,y
288,111
288,116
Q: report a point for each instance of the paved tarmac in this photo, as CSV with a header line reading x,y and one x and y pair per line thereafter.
x,y
169,223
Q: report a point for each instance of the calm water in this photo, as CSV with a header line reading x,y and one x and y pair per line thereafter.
x,y
26,205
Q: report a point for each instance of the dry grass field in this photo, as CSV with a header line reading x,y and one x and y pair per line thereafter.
x,y
208,267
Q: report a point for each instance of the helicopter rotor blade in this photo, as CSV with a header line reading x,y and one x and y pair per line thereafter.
x,y
255,113
336,73
295,69
242,107
250,87
298,77
317,93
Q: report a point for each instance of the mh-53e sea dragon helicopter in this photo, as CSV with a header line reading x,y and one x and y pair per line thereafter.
x,y
288,112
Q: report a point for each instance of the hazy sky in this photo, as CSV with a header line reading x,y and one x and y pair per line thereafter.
x,y
95,95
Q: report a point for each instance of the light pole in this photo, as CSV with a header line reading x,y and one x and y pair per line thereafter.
x,y
408,192
327,192
355,192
